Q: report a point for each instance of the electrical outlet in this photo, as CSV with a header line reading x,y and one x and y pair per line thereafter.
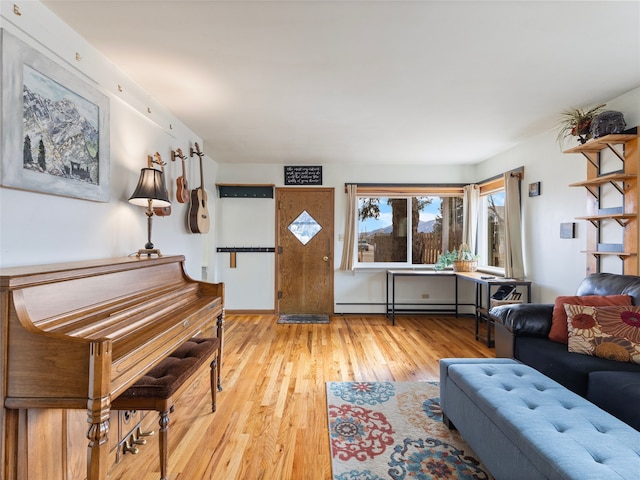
x,y
425,295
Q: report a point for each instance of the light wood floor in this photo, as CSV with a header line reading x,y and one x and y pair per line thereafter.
x,y
271,419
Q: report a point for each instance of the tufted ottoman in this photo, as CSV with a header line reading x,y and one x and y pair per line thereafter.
x,y
523,425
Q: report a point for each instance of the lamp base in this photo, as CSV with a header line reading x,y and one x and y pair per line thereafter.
x,y
148,252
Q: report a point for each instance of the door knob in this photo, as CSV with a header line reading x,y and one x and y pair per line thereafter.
x,y
325,258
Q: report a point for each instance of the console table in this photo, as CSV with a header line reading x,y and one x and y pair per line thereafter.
x,y
484,283
487,283
391,292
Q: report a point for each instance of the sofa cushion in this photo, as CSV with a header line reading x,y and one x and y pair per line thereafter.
x,y
559,332
610,390
606,332
611,284
570,369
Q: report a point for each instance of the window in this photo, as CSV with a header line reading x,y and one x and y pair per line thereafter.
x,y
491,226
406,230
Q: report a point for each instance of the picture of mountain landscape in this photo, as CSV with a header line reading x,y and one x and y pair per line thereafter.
x,y
55,126
60,130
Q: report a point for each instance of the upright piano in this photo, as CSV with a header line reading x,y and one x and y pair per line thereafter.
x,y
76,335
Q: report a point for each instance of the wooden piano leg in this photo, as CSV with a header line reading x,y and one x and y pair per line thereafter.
x,y
99,406
220,333
15,446
98,435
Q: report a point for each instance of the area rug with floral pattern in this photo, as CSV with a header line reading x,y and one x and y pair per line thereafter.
x,y
394,430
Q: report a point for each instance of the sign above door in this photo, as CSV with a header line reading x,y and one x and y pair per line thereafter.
x,y
302,175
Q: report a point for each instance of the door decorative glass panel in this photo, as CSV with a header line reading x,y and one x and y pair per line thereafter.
x,y
304,227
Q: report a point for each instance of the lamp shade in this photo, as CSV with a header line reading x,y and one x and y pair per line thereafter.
x,y
151,186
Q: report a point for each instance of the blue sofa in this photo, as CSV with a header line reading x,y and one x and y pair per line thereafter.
x,y
521,332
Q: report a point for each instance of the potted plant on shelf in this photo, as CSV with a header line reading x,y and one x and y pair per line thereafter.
x,y
445,260
462,260
576,122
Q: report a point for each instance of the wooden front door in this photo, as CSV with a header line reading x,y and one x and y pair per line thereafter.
x,y
304,250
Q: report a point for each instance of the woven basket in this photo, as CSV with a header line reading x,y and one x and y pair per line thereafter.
x,y
464,265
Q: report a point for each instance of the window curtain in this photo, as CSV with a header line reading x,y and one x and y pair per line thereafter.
x,y
349,229
470,202
514,264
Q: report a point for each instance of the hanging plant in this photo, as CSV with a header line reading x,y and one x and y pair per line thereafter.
x,y
576,122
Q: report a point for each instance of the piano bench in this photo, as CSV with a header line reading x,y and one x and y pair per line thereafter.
x,y
155,390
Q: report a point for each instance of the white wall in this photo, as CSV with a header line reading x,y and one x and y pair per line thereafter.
x,y
554,265
37,228
251,223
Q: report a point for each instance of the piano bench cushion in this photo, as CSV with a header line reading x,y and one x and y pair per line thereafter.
x,y
162,381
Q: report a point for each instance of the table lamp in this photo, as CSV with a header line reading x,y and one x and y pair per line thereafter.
x,y
151,190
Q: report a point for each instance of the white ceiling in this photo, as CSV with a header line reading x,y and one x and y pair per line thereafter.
x,y
366,82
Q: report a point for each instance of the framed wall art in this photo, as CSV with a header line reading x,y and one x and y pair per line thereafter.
x,y
568,230
55,127
303,175
534,189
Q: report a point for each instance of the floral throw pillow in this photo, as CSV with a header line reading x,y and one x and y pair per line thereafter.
x,y
606,332
558,332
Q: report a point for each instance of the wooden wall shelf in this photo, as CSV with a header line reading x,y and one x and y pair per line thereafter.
x,y
625,182
597,144
621,218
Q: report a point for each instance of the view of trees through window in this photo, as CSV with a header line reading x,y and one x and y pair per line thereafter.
x,y
408,229
493,208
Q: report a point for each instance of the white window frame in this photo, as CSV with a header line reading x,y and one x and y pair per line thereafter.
x,y
406,192
482,244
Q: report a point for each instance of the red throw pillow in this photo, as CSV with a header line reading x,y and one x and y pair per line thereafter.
x,y
559,331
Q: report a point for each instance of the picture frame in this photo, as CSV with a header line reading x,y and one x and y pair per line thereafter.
x,y
568,230
55,127
534,189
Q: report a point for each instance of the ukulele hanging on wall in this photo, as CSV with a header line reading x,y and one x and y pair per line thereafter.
x,y
182,187
198,213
